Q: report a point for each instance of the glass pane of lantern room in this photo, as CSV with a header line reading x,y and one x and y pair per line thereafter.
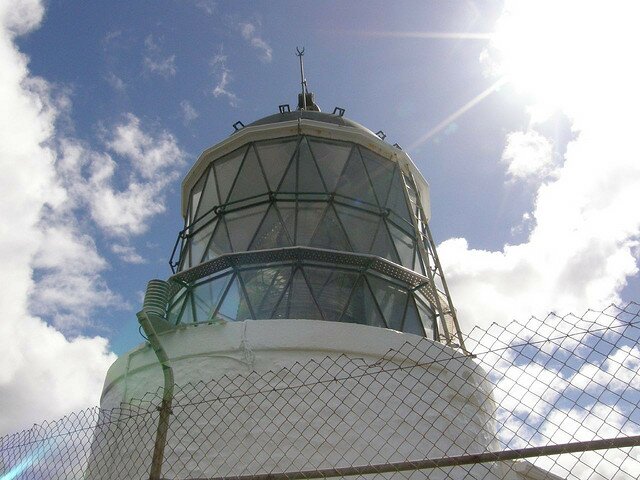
x,y
282,305
275,157
380,171
196,193
412,323
354,181
396,201
289,181
383,245
173,315
302,304
392,300
250,181
404,245
309,179
199,243
243,225
309,216
209,197
371,310
428,318
330,234
330,158
354,313
244,309
287,211
361,227
219,243
187,312
207,296
264,287
272,233
331,289
229,308
226,169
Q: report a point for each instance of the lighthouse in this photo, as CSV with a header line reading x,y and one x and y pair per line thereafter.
x,y
306,254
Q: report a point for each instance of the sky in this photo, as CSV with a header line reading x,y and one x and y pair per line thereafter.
x,y
520,115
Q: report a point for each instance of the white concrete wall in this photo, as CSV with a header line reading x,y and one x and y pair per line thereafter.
x,y
438,404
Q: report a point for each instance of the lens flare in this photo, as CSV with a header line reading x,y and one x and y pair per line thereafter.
x,y
33,458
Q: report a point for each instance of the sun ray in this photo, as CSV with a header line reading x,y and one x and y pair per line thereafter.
x,y
461,111
429,35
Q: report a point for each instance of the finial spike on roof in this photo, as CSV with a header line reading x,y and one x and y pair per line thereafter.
x,y
303,81
305,99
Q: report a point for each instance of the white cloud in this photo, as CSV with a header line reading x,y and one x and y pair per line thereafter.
x,y
189,114
527,155
116,82
44,374
149,154
207,6
19,18
69,286
157,63
125,213
583,244
221,88
127,253
248,31
162,66
153,160
219,64
111,36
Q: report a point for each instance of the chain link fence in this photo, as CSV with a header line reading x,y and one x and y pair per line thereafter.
x,y
548,399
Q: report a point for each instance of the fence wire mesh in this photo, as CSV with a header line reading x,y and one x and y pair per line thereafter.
x,y
548,399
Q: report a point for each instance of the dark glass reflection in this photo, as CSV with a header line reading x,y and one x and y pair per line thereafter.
x,y
304,291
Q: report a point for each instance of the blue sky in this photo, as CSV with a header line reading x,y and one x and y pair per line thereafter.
x,y
519,118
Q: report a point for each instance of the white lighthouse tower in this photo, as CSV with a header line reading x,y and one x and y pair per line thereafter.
x,y
306,239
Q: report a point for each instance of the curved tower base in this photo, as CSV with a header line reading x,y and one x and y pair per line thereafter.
x,y
289,395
